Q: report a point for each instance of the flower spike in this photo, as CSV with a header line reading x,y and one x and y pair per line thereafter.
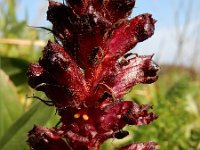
x,y
86,71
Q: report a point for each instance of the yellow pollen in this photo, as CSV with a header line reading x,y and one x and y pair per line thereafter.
x,y
85,117
76,116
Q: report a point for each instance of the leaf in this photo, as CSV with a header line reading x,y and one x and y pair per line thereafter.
x,y
10,107
140,146
16,135
16,68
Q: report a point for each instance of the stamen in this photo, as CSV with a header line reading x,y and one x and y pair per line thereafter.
x,y
76,116
85,117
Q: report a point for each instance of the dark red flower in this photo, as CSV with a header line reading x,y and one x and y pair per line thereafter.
x,y
87,70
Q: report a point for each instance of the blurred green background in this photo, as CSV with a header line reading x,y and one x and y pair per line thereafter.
x,y
175,96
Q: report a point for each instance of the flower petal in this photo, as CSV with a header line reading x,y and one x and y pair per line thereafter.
x,y
116,10
140,69
123,39
64,71
129,33
118,114
40,138
36,76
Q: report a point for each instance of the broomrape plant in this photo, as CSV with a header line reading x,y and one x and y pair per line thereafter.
x,y
86,71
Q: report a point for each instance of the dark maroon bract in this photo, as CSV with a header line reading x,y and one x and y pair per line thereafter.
x,y
86,71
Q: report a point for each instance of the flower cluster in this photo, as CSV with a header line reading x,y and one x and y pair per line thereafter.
x,y
86,71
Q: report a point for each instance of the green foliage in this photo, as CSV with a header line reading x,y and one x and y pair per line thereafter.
x,y
16,69
18,114
17,118
9,104
15,136
13,28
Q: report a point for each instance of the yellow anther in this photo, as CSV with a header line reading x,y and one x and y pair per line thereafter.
x,y
76,116
85,117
